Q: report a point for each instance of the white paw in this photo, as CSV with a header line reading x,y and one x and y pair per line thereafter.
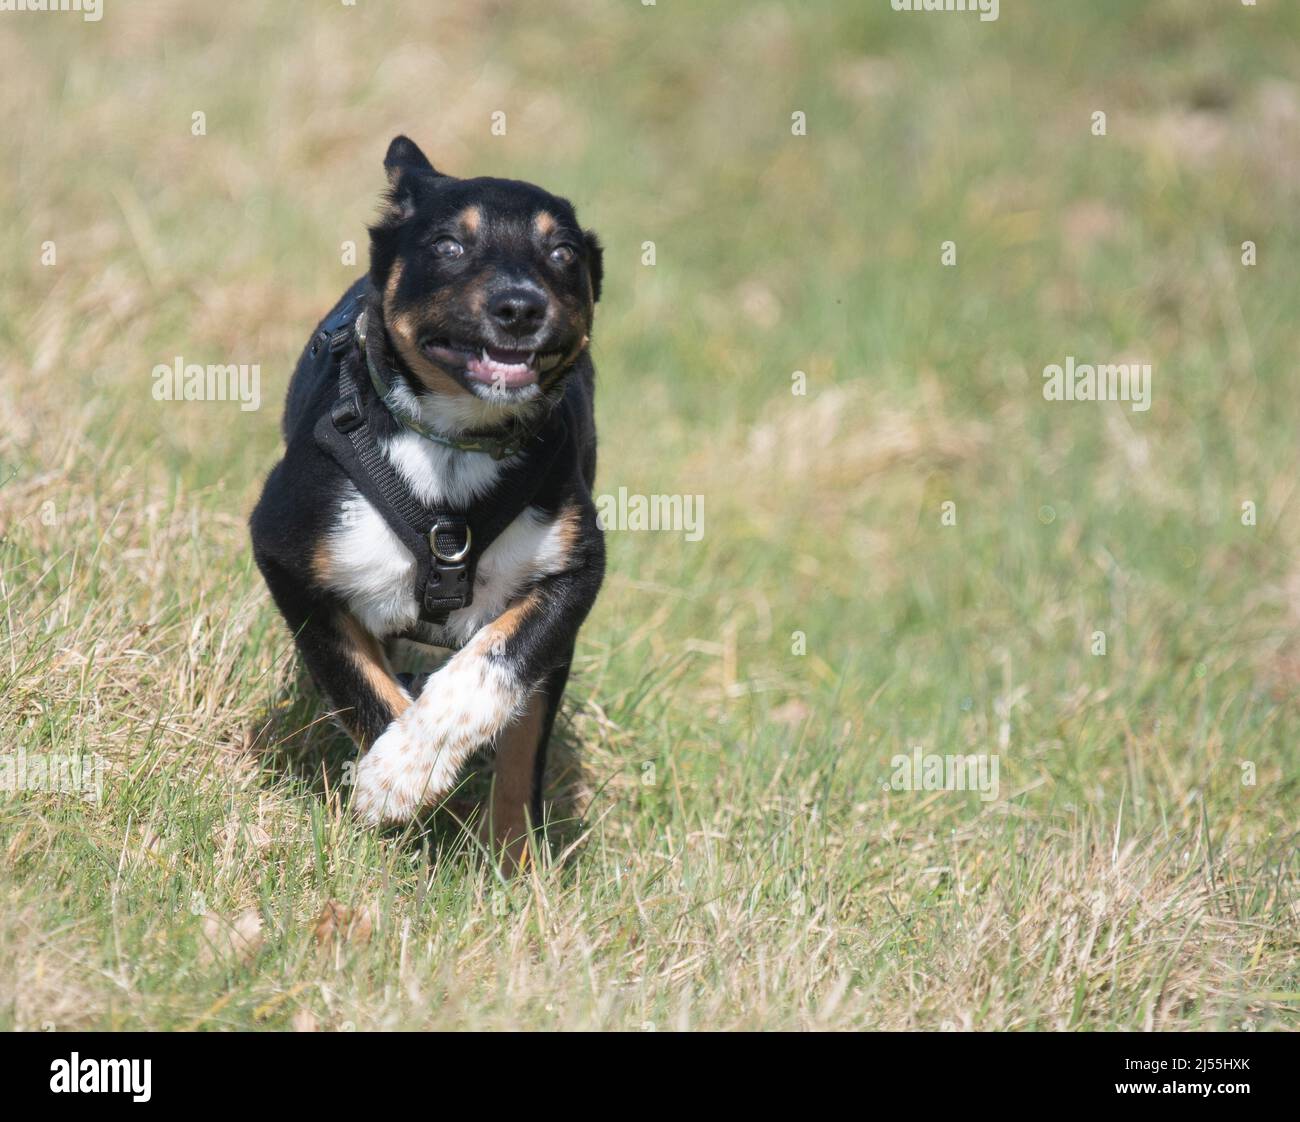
x,y
418,759
387,789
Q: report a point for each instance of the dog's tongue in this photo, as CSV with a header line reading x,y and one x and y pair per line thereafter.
x,y
501,368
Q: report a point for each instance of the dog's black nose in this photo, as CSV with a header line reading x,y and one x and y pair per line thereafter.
x,y
518,310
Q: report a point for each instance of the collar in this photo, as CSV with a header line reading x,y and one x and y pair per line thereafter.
x,y
513,440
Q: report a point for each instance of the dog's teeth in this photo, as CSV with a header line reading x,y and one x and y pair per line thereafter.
x,y
485,355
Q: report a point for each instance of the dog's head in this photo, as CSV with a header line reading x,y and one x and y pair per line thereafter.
x,y
488,285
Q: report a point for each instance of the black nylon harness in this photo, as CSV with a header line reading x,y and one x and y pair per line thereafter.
x,y
446,543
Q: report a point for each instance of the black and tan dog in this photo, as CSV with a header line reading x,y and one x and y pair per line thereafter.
x,y
436,487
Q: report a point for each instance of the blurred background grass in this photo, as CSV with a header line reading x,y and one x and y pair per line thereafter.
x,y
134,624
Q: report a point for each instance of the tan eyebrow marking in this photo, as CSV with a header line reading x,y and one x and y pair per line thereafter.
x,y
470,218
544,223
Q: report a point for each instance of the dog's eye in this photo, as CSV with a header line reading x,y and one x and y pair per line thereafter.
x,y
564,255
448,247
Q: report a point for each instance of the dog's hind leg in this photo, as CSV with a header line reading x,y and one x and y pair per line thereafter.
x,y
520,770
509,811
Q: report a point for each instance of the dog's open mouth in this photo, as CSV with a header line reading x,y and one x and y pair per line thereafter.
x,y
493,366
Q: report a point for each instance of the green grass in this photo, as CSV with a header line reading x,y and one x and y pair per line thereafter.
x,y
724,855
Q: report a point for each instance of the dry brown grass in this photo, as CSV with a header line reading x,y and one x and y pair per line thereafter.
x,y
726,856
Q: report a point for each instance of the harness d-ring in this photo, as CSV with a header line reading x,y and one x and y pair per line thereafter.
x,y
449,558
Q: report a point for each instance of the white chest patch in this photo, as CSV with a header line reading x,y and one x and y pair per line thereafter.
x,y
370,567
438,474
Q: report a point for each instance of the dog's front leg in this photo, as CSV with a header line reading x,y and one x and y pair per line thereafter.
x,y
463,705
475,696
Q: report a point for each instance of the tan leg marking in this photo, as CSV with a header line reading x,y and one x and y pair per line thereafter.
x,y
492,639
505,828
368,657
322,564
569,528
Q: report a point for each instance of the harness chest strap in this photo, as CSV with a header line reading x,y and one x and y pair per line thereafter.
x,y
445,543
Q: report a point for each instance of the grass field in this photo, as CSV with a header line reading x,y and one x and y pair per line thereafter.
x,y
728,851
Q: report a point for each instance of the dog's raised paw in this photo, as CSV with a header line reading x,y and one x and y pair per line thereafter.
x,y
390,786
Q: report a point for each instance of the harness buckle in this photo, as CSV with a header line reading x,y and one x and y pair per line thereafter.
x,y
448,588
346,414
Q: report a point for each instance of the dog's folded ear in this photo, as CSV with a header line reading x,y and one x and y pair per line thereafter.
x,y
407,167
595,262
405,155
